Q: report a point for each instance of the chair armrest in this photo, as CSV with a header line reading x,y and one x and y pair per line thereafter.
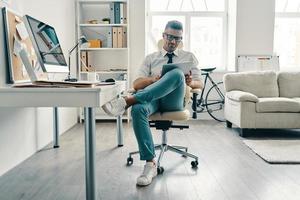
x,y
196,90
237,95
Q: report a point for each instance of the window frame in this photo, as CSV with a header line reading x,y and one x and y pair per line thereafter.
x,y
187,29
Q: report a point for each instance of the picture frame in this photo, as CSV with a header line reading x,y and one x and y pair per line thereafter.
x,y
16,35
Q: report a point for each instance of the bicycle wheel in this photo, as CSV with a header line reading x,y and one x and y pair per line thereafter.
x,y
214,102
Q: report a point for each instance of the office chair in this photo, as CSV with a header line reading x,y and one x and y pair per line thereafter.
x,y
164,121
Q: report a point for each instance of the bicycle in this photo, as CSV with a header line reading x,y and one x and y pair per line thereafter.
x,y
213,103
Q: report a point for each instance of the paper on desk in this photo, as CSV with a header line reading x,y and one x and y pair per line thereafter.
x,y
21,29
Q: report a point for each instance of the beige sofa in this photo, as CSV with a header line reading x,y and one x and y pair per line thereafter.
x,y
262,100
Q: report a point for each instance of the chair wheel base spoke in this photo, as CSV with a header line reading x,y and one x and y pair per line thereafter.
x,y
160,170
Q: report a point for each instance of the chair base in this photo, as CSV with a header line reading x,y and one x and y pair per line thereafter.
x,y
163,148
165,125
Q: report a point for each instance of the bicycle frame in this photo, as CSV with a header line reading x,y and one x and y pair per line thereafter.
x,y
200,102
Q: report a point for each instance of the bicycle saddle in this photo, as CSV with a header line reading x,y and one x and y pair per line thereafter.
x,y
208,69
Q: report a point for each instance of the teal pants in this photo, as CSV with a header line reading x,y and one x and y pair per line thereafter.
x,y
166,94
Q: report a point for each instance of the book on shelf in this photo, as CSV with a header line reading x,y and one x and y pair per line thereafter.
x,y
109,38
112,13
121,13
124,37
117,12
115,37
120,37
84,60
124,20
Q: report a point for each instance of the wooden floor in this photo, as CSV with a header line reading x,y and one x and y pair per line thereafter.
x,y
227,169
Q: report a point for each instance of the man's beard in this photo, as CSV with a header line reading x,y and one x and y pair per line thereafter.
x,y
172,47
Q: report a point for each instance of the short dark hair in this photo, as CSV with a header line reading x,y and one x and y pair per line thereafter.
x,y
174,24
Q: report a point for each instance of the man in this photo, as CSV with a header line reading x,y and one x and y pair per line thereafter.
x,y
156,93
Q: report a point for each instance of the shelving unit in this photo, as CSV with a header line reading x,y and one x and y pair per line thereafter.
x,y
105,24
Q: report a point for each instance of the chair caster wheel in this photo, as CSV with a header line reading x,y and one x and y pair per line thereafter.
x,y
129,161
160,170
194,115
194,164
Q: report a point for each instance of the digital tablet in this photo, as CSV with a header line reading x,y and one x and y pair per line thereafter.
x,y
186,67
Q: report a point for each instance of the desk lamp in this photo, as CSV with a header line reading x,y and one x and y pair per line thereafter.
x,y
81,40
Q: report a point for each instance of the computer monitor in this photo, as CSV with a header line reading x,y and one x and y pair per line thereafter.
x,y
46,44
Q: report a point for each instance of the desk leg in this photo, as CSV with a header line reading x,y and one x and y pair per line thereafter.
x,y
55,128
90,153
120,131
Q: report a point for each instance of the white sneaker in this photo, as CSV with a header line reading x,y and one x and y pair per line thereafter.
x,y
115,107
148,174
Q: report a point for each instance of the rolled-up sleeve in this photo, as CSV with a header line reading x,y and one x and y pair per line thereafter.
x,y
196,72
144,70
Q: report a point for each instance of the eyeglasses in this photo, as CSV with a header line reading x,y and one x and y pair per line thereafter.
x,y
172,37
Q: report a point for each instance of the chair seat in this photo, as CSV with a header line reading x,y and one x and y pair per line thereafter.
x,y
174,115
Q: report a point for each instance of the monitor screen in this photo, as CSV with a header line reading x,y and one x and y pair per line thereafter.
x,y
46,45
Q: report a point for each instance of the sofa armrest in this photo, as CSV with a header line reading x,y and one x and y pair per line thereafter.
x,y
237,95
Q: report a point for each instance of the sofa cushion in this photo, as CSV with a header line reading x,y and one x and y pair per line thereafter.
x,y
261,84
278,104
289,84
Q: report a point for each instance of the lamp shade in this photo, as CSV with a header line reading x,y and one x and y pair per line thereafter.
x,y
83,40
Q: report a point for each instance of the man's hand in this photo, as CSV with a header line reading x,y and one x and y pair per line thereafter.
x,y
155,78
142,82
188,79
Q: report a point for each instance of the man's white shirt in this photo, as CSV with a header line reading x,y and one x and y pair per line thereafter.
x,y
154,62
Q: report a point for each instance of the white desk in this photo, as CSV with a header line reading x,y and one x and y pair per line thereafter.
x,y
89,98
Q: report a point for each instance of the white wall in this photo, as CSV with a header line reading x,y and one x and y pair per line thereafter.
x,y
26,130
137,36
255,27
231,42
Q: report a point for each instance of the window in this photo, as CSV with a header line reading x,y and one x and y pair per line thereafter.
x,y
287,33
204,23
